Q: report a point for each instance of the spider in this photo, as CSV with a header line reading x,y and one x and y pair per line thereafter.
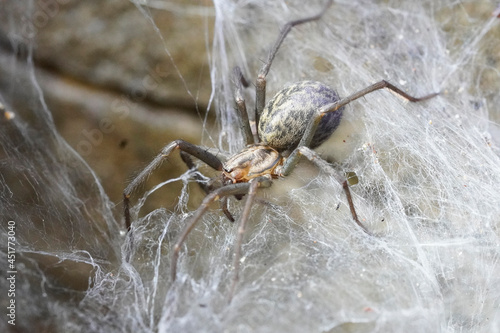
x,y
296,120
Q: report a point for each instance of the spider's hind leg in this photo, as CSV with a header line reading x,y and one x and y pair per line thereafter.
x,y
312,156
313,123
260,84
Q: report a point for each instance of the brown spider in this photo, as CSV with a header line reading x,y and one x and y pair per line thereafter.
x,y
296,120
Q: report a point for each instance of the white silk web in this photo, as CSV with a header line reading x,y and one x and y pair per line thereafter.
x,y
428,190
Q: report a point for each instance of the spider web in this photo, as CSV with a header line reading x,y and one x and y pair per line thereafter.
x,y
429,189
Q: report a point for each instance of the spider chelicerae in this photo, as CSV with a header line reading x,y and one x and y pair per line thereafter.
x,y
296,120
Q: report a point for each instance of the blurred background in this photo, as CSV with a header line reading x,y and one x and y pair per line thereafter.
x,y
117,90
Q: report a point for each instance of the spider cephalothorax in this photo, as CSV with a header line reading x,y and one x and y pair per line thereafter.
x,y
297,119
252,162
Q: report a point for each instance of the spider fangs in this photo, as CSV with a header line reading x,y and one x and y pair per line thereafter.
x,y
296,120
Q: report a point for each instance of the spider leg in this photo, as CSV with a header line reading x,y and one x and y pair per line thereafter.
x,y
194,150
254,184
260,85
304,143
332,107
312,156
240,81
232,189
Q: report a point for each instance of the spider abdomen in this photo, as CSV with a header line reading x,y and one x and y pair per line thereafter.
x,y
283,120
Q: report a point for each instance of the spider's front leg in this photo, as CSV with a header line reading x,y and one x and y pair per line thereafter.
x,y
240,82
252,190
225,191
199,152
